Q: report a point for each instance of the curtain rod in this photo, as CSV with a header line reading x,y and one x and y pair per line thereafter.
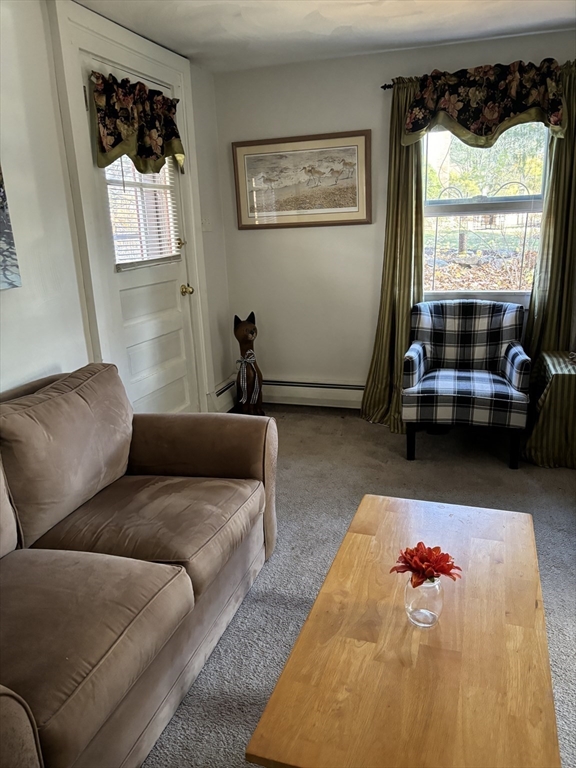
x,y
387,86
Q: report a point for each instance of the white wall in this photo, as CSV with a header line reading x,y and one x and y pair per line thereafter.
x,y
315,291
42,329
206,130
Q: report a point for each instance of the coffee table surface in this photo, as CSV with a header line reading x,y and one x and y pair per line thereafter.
x,y
364,688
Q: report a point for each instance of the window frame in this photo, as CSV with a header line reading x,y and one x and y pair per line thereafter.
x,y
517,204
515,297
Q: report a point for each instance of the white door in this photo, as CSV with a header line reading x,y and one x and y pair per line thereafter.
x,y
143,258
141,288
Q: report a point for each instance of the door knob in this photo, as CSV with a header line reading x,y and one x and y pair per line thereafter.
x,y
185,290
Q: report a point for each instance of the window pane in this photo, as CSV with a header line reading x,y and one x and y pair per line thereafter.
x,y
514,166
488,252
142,223
483,246
142,212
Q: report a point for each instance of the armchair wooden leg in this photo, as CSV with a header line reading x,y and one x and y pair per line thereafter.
x,y
514,448
410,442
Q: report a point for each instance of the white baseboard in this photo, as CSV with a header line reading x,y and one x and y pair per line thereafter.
x,y
330,397
296,393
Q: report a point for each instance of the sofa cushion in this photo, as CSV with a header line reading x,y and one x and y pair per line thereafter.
x,y
63,444
195,522
30,387
77,630
8,524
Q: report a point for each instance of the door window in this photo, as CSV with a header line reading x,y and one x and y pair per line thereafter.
x,y
143,214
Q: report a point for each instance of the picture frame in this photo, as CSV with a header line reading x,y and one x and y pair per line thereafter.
x,y
320,180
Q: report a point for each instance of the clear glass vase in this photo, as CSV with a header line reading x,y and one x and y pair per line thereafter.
x,y
424,604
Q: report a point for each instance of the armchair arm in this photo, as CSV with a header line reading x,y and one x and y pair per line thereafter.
x,y
19,743
515,367
209,445
415,364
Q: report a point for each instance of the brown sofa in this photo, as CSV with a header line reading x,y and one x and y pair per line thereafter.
x,y
127,542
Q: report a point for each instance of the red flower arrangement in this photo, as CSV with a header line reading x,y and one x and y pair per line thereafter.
x,y
425,563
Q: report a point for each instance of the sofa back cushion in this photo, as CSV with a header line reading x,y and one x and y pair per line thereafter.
x,y
8,524
466,333
30,387
63,444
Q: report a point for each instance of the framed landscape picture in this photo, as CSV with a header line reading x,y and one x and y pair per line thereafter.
x,y
303,181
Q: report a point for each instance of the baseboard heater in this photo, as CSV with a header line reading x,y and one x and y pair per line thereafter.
x,y
312,385
225,388
301,384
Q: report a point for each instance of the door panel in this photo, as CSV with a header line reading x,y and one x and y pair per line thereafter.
x,y
145,300
164,400
154,317
158,350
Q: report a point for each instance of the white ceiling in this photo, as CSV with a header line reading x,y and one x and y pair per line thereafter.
x,y
226,35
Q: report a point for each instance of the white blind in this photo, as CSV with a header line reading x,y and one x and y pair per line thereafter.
x,y
142,212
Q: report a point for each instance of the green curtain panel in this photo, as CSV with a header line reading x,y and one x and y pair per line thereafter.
x,y
137,121
477,105
402,275
552,303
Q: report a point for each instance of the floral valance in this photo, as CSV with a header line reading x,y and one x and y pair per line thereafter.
x,y
137,121
479,104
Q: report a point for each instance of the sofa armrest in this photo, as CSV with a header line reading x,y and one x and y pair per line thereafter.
x,y
515,367
415,364
19,743
209,445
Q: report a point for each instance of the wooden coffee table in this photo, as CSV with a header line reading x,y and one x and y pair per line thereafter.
x,y
364,688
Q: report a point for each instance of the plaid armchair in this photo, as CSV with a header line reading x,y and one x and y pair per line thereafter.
x,y
466,366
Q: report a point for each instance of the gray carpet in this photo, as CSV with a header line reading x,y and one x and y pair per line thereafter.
x,y
329,459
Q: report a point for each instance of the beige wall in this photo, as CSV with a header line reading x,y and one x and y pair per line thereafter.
x,y
41,322
315,291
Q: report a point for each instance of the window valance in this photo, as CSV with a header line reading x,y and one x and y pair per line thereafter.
x,y
137,121
477,105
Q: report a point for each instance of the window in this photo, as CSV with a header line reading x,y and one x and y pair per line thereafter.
x,y
142,213
483,210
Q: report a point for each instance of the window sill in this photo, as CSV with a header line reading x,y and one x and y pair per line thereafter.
x,y
515,297
124,266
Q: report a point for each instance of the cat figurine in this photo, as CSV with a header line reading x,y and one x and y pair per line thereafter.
x,y
249,379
